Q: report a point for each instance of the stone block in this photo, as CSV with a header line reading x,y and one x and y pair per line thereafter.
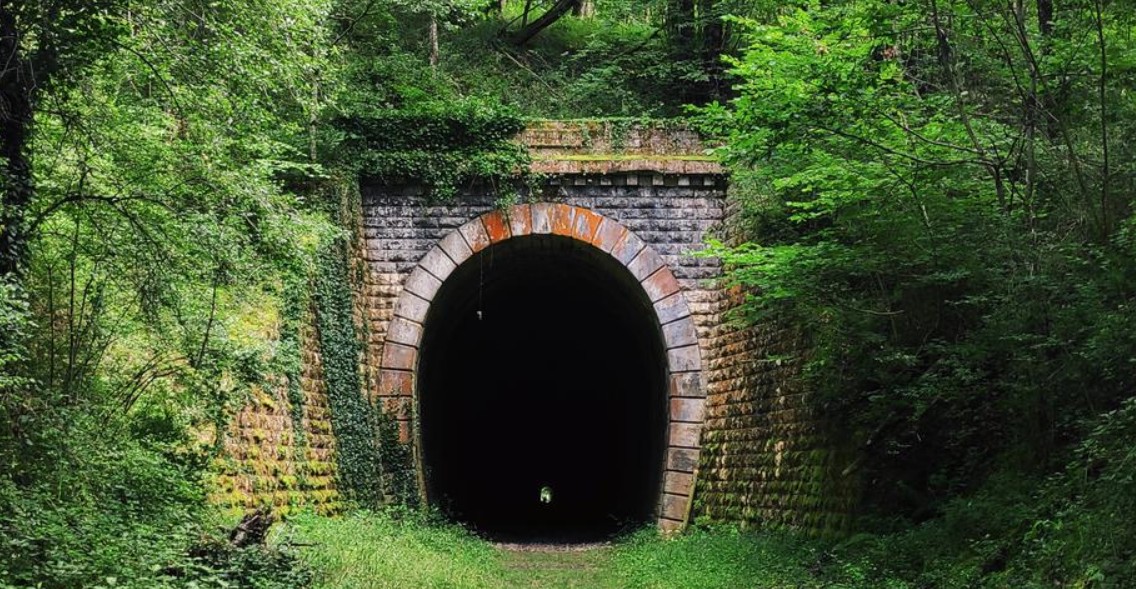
x,y
399,357
684,359
684,435
404,331
626,250
674,506
687,410
396,407
682,459
669,527
680,333
645,264
541,218
563,217
496,226
422,283
687,384
456,247
608,235
439,264
475,235
678,483
672,308
661,284
586,225
520,220
412,307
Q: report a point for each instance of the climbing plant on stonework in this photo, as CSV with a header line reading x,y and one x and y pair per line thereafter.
x,y
353,419
443,146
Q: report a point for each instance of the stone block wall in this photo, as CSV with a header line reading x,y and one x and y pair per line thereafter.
x,y
267,460
768,457
762,455
400,225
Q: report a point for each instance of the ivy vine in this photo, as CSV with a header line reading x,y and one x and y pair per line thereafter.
x,y
354,420
444,147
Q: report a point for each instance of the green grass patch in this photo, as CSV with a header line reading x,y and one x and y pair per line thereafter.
x,y
379,550
402,549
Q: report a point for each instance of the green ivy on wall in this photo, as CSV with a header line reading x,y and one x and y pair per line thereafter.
x,y
443,146
289,358
353,418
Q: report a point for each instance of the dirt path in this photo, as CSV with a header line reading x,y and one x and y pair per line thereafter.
x,y
556,566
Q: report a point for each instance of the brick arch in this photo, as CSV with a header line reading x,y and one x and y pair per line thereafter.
x,y
397,377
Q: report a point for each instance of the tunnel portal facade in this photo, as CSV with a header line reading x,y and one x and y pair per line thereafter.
x,y
554,346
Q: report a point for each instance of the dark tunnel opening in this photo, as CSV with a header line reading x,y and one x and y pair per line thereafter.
x,y
542,365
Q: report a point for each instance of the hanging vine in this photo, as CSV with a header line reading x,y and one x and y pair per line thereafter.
x,y
353,419
443,147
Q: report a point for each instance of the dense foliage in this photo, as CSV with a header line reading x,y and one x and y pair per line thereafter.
x,y
158,236
940,194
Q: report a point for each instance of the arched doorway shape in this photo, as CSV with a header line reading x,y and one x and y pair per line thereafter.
x,y
398,386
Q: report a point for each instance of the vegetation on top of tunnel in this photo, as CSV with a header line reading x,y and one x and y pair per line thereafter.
x,y
443,146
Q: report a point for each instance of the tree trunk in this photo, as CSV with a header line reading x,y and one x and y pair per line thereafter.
x,y
713,46
1045,17
16,108
584,8
552,15
434,41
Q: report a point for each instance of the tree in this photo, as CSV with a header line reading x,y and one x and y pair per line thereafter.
x,y
42,44
932,192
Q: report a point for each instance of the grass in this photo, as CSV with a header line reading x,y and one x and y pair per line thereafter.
x,y
396,550
407,550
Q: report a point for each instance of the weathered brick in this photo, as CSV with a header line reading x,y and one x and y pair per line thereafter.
x,y
475,235
496,226
661,284
687,409
423,284
520,220
399,357
684,359
439,264
562,219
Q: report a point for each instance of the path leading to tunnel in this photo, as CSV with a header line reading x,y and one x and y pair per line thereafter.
x,y
543,566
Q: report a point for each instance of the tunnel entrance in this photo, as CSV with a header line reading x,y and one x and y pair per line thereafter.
x,y
542,365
